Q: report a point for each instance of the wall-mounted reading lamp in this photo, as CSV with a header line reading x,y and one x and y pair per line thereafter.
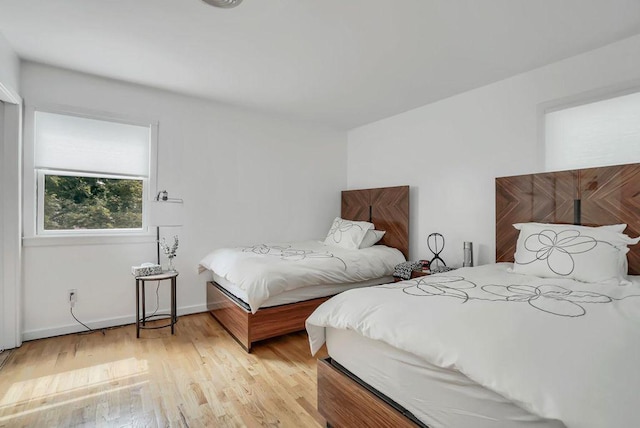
x,y
165,212
225,4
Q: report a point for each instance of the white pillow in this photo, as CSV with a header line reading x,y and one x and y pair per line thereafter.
x,y
347,234
588,254
371,238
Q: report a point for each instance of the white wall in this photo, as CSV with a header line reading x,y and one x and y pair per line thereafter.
x,y
2,208
10,196
451,151
245,177
9,67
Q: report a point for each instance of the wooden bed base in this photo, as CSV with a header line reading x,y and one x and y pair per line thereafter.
x,y
346,401
248,328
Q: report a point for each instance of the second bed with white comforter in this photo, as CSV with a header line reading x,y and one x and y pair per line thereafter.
x,y
267,270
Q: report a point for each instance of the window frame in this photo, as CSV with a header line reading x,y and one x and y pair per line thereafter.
x,y
33,202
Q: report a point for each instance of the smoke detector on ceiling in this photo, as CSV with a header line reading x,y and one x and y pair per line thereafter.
x,y
225,4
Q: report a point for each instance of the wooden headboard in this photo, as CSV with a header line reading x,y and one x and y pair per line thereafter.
x,y
386,207
591,197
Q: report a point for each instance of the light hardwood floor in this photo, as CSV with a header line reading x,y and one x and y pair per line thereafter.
x,y
198,378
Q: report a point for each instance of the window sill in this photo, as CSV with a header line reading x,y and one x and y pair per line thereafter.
x,y
54,241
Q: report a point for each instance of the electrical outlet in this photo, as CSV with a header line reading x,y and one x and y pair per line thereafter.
x,y
73,297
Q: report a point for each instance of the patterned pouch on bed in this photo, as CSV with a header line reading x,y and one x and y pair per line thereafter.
x,y
403,270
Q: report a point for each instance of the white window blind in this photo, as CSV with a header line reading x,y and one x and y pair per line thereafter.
x,y
596,134
73,143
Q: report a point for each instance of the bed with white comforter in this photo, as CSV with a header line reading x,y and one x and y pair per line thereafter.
x,y
560,349
266,270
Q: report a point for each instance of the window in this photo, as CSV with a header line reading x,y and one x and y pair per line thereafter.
x,y
92,174
74,202
600,133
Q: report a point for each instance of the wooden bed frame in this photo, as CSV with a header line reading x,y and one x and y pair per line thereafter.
x,y
348,401
386,207
593,197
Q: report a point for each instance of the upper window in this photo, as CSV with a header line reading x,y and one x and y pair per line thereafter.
x,y
596,134
92,175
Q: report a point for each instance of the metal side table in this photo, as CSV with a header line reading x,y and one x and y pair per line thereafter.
x,y
141,322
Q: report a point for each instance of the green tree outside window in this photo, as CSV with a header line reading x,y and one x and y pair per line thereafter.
x,y
72,202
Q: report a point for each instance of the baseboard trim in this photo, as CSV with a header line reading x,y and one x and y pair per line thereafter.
x,y
98,324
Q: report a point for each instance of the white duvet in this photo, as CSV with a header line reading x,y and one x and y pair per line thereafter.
x,y
266,270
560,349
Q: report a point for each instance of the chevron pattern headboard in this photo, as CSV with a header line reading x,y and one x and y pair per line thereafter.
x,y
386,207
591,197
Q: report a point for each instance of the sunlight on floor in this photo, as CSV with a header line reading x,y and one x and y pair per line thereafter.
x,y
60,389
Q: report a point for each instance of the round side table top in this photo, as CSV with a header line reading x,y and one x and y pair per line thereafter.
x,y
159,276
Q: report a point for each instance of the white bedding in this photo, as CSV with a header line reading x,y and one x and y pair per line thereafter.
x,y
266,270
439,397
559,349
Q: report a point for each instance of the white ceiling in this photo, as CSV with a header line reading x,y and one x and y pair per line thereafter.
x,y
339,62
